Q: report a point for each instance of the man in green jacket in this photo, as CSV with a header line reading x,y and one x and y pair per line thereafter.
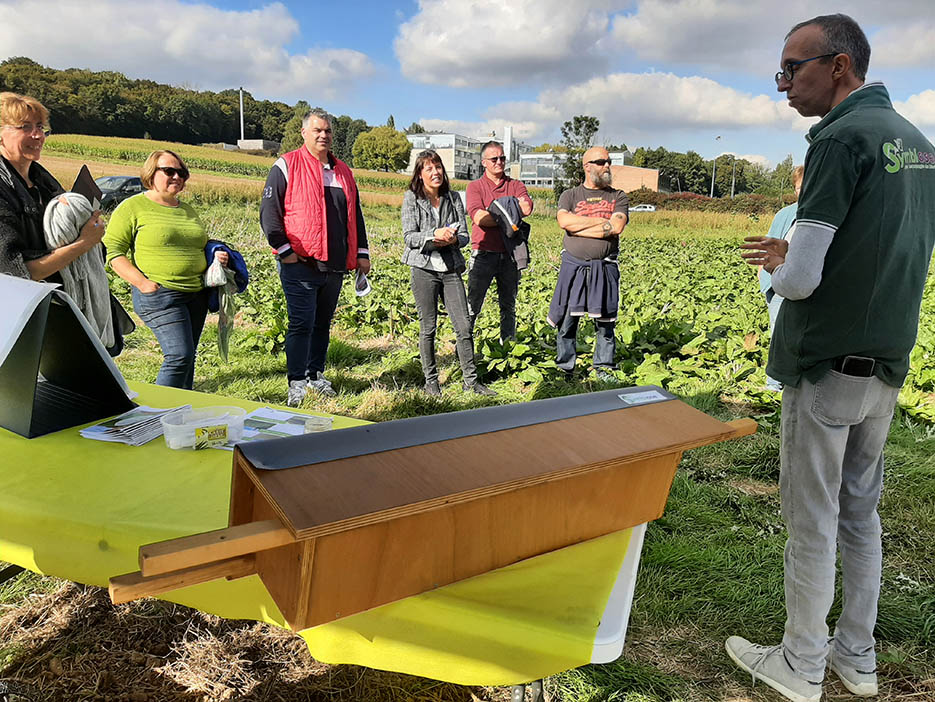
x,y
852,271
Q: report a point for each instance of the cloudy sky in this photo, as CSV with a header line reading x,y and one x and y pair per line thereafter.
x,y
673,73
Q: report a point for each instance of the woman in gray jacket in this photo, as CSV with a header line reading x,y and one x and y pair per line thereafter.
x,y
434,229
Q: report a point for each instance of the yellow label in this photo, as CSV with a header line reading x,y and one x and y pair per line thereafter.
x,y
206,437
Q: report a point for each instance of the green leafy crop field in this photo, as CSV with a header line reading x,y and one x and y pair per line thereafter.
x,y
691,320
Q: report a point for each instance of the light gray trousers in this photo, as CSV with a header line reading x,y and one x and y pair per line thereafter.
x,y
831,476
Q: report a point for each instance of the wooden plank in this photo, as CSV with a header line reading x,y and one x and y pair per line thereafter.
x,y
242,495
218,545
742,427
366,567
281,568
133,586
326,498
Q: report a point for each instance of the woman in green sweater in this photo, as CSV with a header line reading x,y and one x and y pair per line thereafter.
x,y
156,243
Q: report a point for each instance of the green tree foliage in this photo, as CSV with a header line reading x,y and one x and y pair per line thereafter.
x,y
682,172
577,136
292,131
382,149
414,128
690,173
390,122
107,103
346,130
547,147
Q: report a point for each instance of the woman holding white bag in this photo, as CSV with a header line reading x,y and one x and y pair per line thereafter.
x,y
156,243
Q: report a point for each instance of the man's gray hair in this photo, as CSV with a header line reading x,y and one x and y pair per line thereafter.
x,y
320,114
842,35
490,145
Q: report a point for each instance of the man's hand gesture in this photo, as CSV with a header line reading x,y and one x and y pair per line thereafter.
x,y
764,251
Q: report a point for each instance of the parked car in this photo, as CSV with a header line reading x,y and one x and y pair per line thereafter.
x,y
643,208
116,189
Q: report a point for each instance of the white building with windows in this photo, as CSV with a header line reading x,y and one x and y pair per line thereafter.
x,y
460,154
537,170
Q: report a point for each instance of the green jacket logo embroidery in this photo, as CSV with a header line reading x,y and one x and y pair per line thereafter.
x,y
900,157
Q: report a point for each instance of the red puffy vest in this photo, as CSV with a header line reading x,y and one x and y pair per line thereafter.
x,y
304,206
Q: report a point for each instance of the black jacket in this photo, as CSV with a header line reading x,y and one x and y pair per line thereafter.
x,y
21,235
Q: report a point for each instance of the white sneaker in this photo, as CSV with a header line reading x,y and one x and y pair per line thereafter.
x,y
769,664
322,385
857,682
297,390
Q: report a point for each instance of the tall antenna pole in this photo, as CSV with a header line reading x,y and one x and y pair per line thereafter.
x,y
714,169
241,114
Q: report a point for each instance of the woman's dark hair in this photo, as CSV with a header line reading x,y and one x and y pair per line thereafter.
x,y
415,185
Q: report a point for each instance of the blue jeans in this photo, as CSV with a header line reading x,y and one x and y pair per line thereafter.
x,y
485,266
605,344
176,319
427,287
830,480
311,298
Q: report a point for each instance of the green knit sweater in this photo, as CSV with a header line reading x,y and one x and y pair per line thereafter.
x,y
166,243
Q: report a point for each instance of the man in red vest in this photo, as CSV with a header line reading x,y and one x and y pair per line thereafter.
x,y
311,216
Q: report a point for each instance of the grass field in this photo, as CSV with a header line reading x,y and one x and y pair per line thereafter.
x,y
691,319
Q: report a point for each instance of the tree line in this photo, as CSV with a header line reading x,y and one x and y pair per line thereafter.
x,y
107,103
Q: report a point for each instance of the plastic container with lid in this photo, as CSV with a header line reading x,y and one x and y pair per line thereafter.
x,y
203,427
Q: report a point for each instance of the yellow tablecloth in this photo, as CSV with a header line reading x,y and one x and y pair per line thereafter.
x,y
80,509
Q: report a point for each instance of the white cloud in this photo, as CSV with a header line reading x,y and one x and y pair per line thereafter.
x,y
634,107
758,159
489,42
180,43
905,46
919,109
740,35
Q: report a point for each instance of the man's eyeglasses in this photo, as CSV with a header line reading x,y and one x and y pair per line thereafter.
x,y
29,128
789,71
600,161
494,159
172,172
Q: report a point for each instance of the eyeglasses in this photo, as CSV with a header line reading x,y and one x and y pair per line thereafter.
x,y
29,128
600,161
789,71
172,172
494,159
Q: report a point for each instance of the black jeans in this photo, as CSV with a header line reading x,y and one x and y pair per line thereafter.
x,y
311,298
486,266
427,287
604,343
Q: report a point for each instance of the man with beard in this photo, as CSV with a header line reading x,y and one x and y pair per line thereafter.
x,y
593,215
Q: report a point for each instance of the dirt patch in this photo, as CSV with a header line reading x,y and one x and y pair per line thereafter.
x,y
754,488
73,644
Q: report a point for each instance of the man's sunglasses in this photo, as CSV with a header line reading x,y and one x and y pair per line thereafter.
x,y
789,71
502,159
172,172
600,161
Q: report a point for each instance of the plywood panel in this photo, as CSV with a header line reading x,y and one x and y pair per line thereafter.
x,y
365,567
281,570
329,497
